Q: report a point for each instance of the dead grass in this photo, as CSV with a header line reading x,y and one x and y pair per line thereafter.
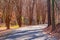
x,y
11,27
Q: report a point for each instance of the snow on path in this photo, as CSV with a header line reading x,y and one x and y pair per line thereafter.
x,y
41,26
30,33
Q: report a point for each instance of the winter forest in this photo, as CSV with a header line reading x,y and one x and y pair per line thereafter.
x,y
29,19
27,12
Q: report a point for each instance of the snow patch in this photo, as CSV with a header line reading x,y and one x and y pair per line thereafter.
x,y
33,27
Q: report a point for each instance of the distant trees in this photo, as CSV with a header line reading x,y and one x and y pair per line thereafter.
x,y
8,6
38,10
7,11
31,8
41,11
44,13
18,4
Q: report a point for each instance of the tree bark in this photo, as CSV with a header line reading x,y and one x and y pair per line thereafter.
x,y
49,12
53,16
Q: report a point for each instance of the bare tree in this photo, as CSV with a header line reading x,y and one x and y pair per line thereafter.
x,y
7,9
49,12
18,4
7,13
53,17
31,8
1,6
48,29
44,13
38,5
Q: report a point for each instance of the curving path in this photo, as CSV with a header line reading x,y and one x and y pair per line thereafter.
x,y
29,34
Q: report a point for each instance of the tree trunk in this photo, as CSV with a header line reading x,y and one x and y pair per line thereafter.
x,y
18,12
49,12
31,12
43,14
7,21
38,8
7,13
53,16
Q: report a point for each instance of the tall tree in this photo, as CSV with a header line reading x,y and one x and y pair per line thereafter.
x,y
18,4
7,13
38,8
1,6
43,15
31,11
49,27
53,16
49,12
